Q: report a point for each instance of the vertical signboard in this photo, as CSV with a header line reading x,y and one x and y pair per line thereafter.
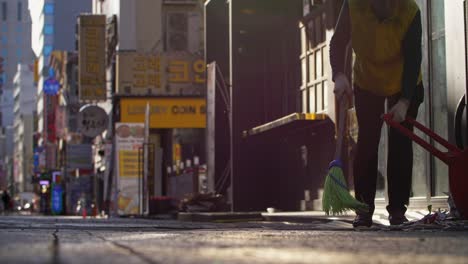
x,y
60,121
129,141
51,156
57,199
92,57
50,133
79,156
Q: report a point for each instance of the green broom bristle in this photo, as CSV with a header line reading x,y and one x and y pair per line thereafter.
x,y
336,198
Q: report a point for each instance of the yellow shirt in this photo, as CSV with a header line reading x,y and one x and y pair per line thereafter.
x,y
378,46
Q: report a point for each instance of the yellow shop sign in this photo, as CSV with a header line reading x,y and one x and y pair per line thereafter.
x,y
165,112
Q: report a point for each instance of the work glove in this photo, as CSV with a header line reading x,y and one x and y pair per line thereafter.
x,y
342,86
399,110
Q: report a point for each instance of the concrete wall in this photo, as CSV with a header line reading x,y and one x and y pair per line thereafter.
x,y
25,87
15,39
66,13
126,24
35,8
28,130
25,105
456,62
6,107
148,26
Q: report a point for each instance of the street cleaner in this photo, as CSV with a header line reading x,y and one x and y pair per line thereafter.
x,y
385,36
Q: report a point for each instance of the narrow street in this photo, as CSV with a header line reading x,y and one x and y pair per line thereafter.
x,y
29,239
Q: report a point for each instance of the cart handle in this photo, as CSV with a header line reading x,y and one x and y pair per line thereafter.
x,y
388,118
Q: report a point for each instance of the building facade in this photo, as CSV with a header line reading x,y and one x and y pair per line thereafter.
x,y
52,27
24,114
157,73
15,47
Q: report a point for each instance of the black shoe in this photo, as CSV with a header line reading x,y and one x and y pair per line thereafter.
x,y
397,219
362,220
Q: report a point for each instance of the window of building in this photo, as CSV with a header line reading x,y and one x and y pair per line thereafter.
x,y
3,76
4,11
313,91
19,28
49,9
47,50
20,11
48,30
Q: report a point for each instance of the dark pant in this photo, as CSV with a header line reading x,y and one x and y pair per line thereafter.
x,y
369,109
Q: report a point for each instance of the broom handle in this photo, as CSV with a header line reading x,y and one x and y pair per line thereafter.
x,y
341,126
343,102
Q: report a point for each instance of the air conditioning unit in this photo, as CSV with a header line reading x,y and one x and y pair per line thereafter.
x,y
177,31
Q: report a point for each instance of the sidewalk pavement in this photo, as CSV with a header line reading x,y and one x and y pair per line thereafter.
x,y
419,220
380,216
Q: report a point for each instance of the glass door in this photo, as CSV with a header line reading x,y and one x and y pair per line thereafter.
x,y
421,163
438,96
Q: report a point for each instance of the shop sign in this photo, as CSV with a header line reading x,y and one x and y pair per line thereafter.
x,y
139,74
42,160
172,73
51,105
177,149
186,73
57,199
51,156
51,86
79,156
36,161
92,57
92,120
60,121
36,71
129,141
166,112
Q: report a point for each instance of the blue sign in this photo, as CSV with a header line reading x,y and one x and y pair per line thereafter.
x,y
51,86
36,159
57,199
39,149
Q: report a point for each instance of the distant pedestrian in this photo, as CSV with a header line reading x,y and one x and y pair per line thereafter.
x,y
6,200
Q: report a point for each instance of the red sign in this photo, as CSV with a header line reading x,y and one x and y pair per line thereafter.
x,y
50,129
60,121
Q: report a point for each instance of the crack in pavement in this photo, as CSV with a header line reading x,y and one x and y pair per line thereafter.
x,y
55,246
125,248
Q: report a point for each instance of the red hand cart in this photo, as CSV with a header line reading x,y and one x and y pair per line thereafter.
x,y
455,158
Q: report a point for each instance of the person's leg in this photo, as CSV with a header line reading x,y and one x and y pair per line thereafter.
x,y
369,109
400,167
